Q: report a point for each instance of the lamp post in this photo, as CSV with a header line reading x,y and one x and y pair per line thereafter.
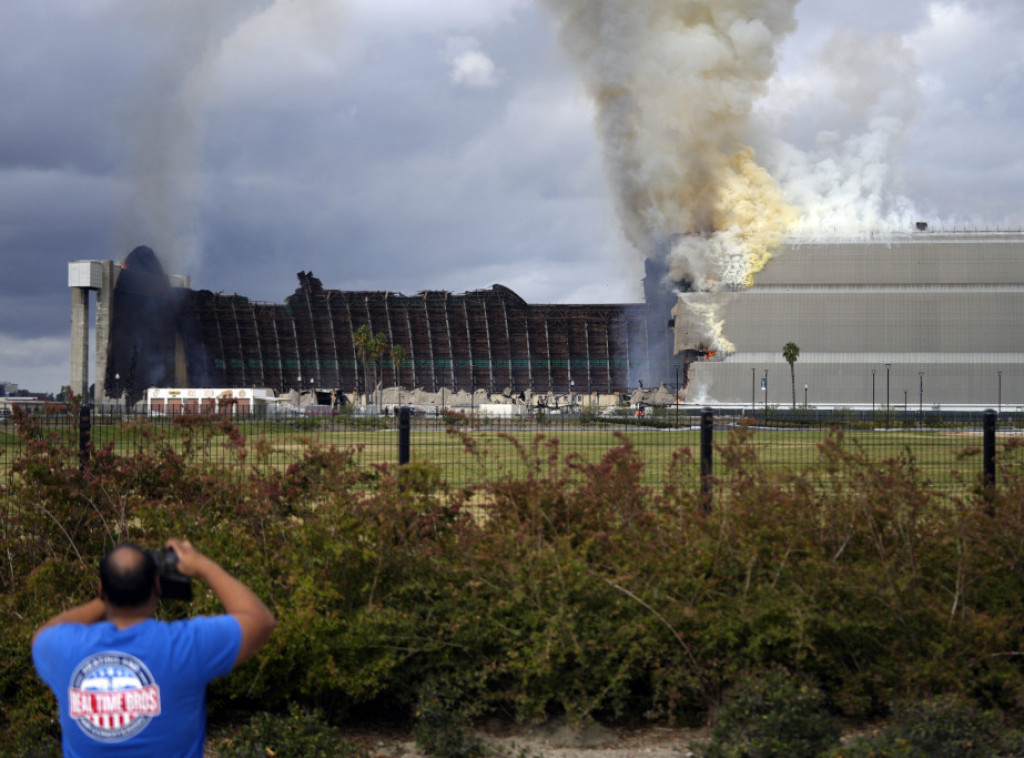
x,y
753,389
872,394
920,400
765,387
1000,375
887,367
805,396
677,396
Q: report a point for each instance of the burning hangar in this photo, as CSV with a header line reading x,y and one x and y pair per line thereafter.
x,y
155,331
923,319
927,318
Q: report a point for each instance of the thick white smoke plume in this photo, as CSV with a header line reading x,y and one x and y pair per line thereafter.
x,y
183,44
675,83
854,108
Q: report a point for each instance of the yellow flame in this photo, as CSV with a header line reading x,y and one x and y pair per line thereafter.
x,y
751,208
709,322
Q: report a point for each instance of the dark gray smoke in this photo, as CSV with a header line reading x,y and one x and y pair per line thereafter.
x,y
165,117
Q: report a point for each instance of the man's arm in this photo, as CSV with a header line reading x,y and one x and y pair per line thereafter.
x,y
253,616
86,613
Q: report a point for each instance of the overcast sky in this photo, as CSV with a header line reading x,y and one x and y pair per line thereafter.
x,y
406,145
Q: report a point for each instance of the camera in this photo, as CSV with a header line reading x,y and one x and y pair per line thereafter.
x,y
173,584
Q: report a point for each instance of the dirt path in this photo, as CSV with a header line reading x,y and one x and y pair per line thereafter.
x,y
557,741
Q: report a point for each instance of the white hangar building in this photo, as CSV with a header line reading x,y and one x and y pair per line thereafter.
x,y
929,318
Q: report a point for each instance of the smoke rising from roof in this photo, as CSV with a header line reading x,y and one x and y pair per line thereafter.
x,y
164,125
843,180
675,84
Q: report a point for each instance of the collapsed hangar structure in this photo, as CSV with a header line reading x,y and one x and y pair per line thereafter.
x,y
923,318
155,331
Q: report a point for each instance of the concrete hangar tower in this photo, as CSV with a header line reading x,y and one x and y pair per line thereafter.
x,y
930,319
137,328
83,278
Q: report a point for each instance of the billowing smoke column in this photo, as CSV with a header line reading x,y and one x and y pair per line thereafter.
x,y
858,103
165,117
164,120
675,82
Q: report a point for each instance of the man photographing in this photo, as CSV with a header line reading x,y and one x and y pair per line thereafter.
x,y
129,685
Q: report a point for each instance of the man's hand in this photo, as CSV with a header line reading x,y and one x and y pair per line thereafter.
x,y
190,561
253,616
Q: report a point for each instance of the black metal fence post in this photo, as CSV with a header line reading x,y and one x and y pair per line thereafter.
x,y
84,435
404,425
989,455
707,425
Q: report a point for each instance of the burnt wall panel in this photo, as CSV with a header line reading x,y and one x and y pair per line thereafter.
x,y
478,338
266,317
422,354
497,319
487,339
437,316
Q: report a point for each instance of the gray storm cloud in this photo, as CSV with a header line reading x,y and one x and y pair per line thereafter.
x,y
164,120
675,83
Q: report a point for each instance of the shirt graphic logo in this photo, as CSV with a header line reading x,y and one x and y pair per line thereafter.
x,y
112,696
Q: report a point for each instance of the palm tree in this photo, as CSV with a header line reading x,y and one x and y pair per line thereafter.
x,y
378,349
397,359
371,348
791,352
363,338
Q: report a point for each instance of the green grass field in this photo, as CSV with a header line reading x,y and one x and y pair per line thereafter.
x,y
949,459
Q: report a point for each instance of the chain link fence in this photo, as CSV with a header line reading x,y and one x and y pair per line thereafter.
x,y
466,449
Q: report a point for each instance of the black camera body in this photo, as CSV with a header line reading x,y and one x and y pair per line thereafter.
x,y
173,584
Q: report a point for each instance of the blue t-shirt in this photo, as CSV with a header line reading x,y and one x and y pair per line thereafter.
x,y
140,691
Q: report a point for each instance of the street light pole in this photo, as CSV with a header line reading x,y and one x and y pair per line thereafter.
x,y
1000,374
920,400
766,397
872,395
805,396
887,367
753,390
677,396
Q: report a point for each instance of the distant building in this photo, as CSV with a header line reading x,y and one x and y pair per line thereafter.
x,y
9,405
178,401
929,319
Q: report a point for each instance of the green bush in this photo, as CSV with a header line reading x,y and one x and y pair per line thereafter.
x,y
568,589
442,718
295,734
772,715
944,727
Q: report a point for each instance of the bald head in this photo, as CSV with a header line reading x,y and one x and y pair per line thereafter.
x,y
127,576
